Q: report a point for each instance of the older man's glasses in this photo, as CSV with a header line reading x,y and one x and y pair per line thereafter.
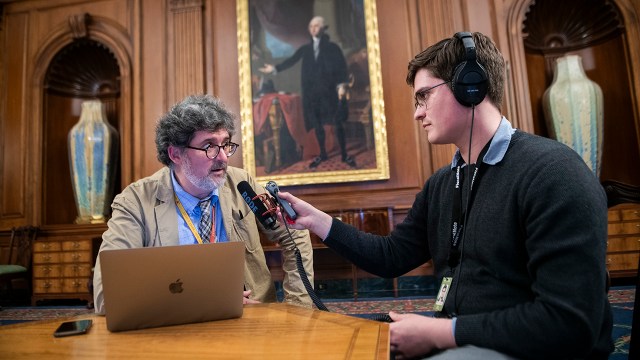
x,y
421,96
212,151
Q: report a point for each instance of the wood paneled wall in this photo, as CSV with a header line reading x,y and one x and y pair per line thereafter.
x,y
170,48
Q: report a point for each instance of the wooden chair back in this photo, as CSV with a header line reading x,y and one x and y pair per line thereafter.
x,y
20,245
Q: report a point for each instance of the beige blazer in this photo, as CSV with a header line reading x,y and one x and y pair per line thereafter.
x,y
145,214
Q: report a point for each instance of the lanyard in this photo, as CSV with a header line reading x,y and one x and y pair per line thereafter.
x,y
457,212
187,219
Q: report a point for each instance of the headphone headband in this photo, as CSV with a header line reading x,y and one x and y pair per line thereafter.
x,y
469,45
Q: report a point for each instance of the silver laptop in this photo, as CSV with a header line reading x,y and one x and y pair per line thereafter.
x,y
170,285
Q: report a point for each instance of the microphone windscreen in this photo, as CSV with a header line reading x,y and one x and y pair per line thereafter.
x,y
256,206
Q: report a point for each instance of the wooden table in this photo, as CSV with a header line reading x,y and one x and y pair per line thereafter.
x,y
265,331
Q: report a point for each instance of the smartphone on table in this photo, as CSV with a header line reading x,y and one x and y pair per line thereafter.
x,y
76,327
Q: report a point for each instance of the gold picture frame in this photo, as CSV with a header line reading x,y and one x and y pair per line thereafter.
x,y
276,145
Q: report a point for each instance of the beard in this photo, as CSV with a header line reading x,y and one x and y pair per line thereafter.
x,y
208,182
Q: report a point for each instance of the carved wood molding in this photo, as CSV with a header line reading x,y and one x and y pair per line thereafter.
x,y
186,50
562,26
79,25
86,69
553,28
182,5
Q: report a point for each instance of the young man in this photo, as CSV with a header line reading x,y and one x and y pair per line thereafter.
x,y
193,141
518,237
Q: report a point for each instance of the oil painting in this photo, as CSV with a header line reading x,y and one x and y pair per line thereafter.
x,y
311,98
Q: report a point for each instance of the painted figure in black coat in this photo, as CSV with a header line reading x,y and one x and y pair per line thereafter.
x,y
324,69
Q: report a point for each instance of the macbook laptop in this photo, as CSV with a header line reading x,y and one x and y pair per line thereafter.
x,y
170,285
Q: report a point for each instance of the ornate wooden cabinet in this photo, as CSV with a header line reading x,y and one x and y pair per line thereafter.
x,y
623,248
63,260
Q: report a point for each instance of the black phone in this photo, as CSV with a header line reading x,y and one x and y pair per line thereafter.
x,y
69,328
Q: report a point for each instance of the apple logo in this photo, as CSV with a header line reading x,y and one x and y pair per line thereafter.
x,y
176,287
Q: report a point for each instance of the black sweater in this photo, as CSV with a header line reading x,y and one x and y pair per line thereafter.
x,y
531,282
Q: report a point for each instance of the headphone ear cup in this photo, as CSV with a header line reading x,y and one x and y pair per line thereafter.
x,y
469,83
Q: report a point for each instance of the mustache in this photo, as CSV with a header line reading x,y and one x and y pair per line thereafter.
x,y
219,165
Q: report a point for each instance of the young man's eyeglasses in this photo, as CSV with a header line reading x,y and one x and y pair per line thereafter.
x,y
420,98
212,151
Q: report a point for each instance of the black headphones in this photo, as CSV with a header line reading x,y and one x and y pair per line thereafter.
x,y
469,83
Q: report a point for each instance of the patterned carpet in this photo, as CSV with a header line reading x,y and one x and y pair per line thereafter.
x,y
380,306
621,299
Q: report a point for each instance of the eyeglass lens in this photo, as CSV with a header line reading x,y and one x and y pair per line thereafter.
x,y
214,150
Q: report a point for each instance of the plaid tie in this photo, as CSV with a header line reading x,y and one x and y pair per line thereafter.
x,y
204,228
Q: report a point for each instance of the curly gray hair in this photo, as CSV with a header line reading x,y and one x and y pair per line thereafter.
x,y
195,113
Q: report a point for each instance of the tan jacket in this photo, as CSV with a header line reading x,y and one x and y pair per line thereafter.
x,y
145,214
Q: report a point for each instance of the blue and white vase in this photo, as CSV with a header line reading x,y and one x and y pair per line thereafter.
x,y
573,110
93,147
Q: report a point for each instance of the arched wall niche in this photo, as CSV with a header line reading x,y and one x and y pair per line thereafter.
x,y
54,111
608,62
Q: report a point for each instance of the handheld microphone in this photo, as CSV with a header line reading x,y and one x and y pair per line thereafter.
x,y
273,189
256,203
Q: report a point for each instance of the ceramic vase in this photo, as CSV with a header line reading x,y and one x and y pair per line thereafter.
x,y
93,146
573,110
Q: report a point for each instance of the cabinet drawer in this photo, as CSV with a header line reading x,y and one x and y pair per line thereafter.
x,y
628,261
60,270
76,257
61,285
629,243
624,228
75,285
630,214
44,286
76,245
44,271
46,258
40,246
77,270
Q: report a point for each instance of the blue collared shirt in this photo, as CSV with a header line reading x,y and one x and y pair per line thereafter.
x,y
190,204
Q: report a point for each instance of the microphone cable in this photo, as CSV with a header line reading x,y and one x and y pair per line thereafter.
x,y
303,273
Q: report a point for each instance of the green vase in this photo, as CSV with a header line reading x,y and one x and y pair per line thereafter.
x,y
573,110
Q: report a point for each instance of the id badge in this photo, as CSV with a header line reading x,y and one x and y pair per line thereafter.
x,y
442,293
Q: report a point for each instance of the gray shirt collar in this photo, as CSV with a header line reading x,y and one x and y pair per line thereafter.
x,y
498,146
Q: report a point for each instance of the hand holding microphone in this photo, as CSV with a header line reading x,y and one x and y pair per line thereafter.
x,y
290,214
307,216
303,217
